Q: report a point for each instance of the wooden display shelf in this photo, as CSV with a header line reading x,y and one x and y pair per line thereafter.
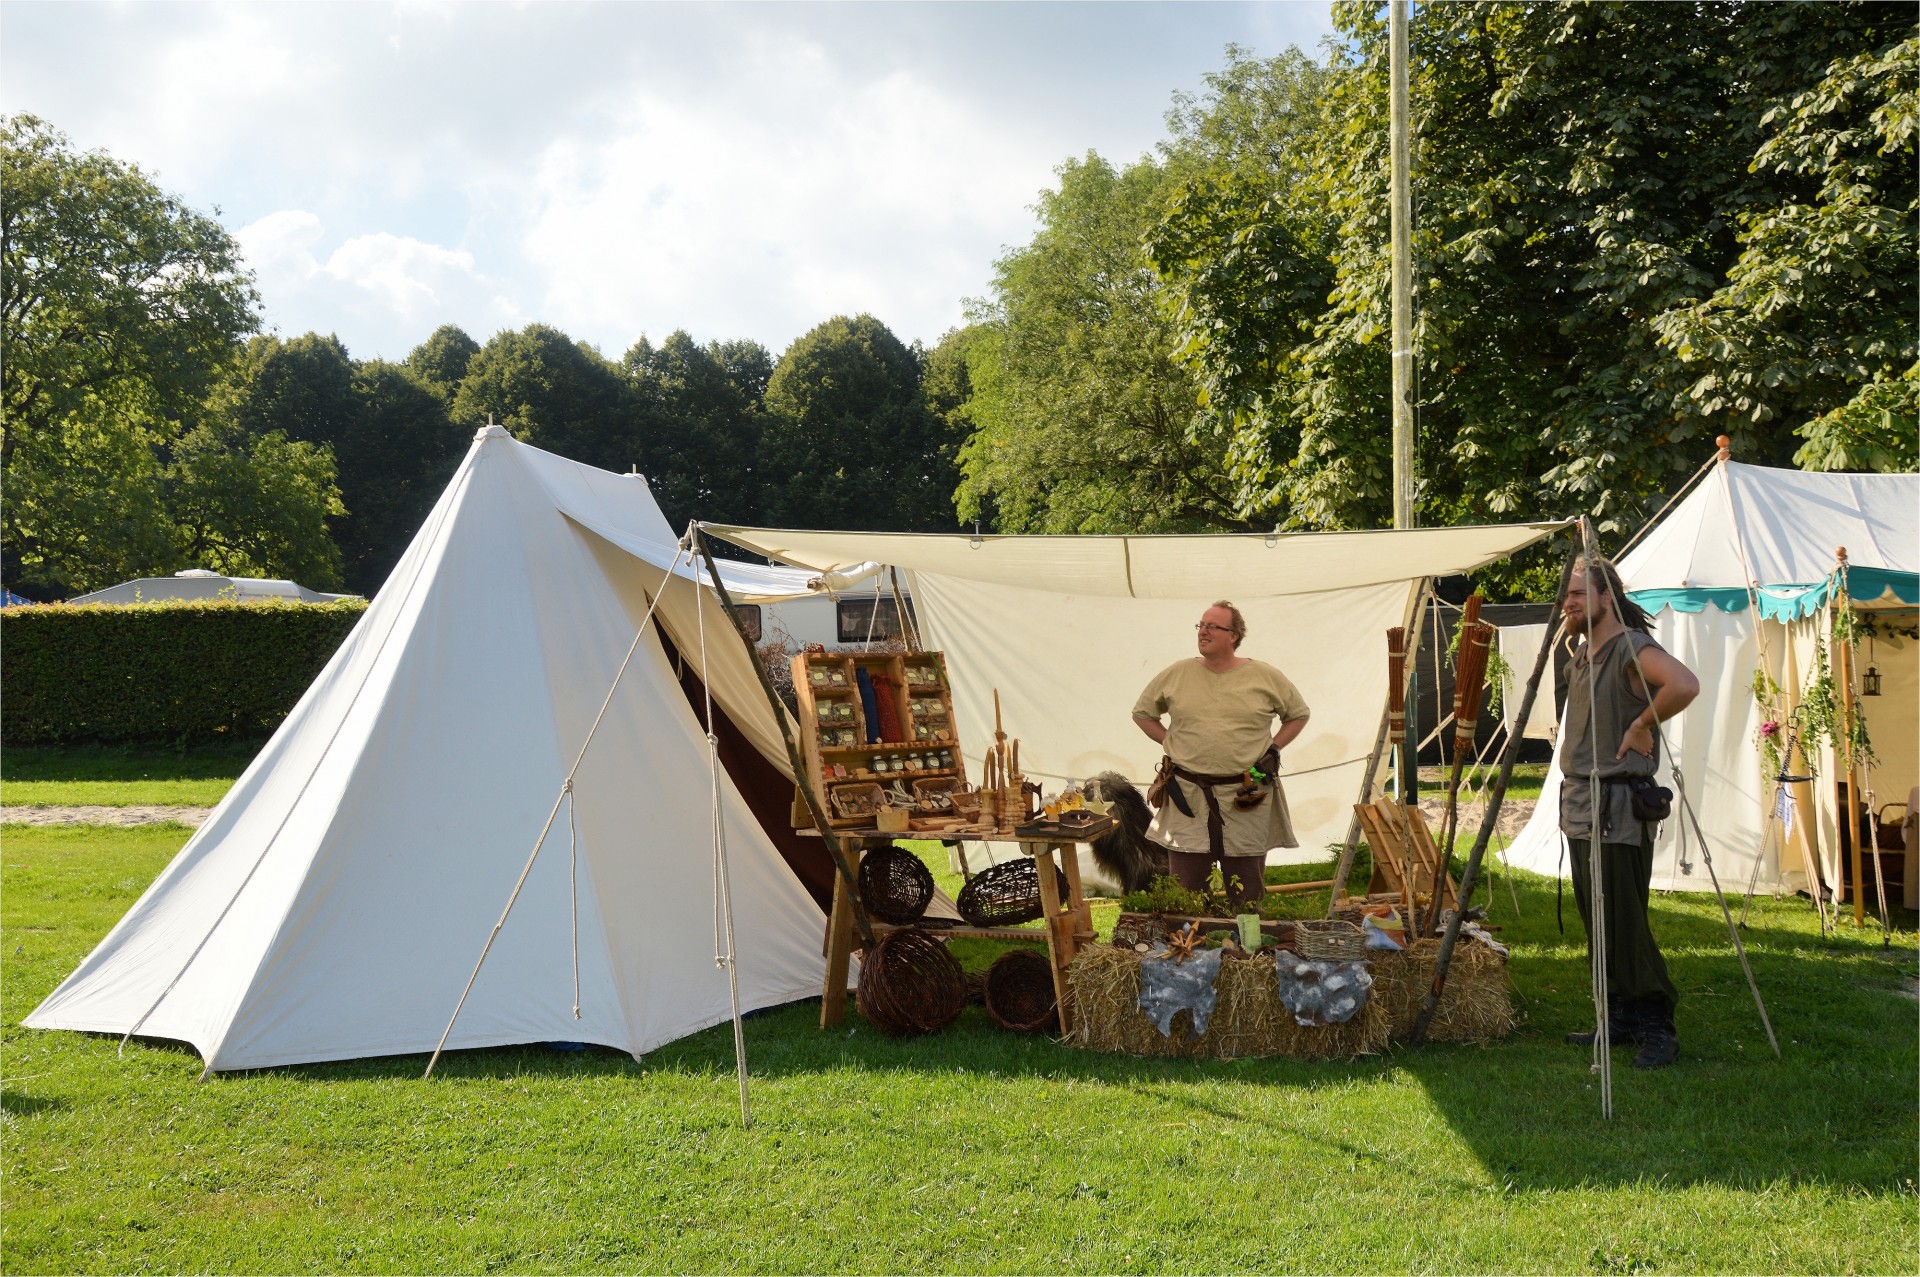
x,y
820,748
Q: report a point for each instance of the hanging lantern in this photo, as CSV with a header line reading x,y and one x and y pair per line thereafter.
x,y
1870,681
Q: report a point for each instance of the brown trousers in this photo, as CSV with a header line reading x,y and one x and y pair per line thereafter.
x,y
1246,876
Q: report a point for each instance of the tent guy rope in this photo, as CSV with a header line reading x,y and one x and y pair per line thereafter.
x,y
566,791
724,954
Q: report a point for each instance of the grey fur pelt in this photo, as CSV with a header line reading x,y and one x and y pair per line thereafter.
x,y
1126,853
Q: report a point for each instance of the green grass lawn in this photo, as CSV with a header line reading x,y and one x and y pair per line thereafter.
x,y
974,1150
121,776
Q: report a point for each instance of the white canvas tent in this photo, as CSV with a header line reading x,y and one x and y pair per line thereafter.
x,y
1068,629
1739,577
334,904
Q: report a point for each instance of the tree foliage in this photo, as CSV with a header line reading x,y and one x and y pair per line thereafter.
x,y
122,311
849,440
553,392
703,411
1082,421
1637,226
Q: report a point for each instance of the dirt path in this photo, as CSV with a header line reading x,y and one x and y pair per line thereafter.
x,y
1514,815
194,816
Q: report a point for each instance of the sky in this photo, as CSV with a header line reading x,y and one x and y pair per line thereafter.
x,y
616,169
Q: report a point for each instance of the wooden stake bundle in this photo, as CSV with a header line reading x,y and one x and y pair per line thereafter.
x,y
1396,685
1469,688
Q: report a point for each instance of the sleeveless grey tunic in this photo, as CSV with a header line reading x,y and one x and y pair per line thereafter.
x,y
1615,699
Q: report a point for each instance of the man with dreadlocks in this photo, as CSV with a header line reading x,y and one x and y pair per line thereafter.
x,y
1620,686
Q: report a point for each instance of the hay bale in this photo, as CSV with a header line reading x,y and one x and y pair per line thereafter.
x,y
1248,1019
1476,1005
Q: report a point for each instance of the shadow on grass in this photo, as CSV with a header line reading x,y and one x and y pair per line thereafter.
x,y
224,760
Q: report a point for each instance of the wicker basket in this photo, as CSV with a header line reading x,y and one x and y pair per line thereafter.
x,y
1006,894
1329,940
910,984
854,802
1020,995
894,886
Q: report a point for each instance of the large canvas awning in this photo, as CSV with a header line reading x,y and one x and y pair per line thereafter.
x,y
1158,567
1066,630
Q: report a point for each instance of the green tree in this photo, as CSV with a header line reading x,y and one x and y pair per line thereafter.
x,y
849,442
119,305
440,362
1817,320
399,450
1584,174
254,505
1082,420
390,437
554,393
700,428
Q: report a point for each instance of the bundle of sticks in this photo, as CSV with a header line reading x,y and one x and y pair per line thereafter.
x,y
1004,800
1469,689
1396,685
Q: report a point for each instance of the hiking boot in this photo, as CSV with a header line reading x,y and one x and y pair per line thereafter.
x,y
1618,1035
1621,1026
1658,1049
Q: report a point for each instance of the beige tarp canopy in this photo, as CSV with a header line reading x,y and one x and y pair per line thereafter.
x,y
1068,629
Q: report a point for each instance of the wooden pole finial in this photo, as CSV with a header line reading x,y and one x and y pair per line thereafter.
x,y
1725,445
1841,554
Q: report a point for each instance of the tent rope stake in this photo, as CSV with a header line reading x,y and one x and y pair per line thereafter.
x,y
566,792
724,955
836,852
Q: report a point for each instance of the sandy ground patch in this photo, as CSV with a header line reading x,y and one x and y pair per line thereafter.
x,y
194,816
1514,815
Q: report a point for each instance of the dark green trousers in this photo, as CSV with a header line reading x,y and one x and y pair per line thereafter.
x,y
1636,973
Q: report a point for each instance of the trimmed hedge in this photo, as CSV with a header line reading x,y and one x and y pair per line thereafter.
x,y
160,673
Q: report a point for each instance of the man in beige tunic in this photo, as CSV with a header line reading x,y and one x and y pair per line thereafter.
x,y
1218,794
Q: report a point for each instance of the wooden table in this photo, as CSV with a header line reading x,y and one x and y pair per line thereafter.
x,y
1067,924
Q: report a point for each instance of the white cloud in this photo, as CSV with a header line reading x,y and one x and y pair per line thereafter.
x,y
395,289
413,278
819,192
736,170
282,242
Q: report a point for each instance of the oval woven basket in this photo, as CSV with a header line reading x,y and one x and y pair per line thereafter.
x,y
1019,993
1006,894
1329,940
910,984
894,885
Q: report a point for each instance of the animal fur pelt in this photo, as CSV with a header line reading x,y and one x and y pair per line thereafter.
x,y
1126,852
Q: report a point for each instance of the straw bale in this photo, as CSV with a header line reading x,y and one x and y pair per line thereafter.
x,y
1476,1005
1249,1020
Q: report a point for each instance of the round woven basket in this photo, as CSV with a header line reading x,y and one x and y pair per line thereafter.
x,y
910,984
1006,894
1329,939
894,886
1020,995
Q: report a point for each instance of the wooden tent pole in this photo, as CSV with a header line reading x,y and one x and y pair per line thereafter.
x,y
1469,877
1848,825
801,780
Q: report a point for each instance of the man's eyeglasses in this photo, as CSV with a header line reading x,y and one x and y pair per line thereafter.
x,y
1204,626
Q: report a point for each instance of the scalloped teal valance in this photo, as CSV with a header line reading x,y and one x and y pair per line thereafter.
x,y
1787,602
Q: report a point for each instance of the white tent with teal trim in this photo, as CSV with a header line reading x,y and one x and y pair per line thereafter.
x,y
1742,577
